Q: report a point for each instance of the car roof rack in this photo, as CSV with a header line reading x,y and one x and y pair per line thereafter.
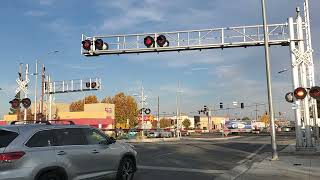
x,y
42,122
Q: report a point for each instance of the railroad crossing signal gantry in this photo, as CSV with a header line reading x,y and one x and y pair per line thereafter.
x,y
241,36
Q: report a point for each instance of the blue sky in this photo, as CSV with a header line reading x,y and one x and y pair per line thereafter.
x,y
31,28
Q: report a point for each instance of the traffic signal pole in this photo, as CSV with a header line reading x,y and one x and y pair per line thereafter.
x,y
269,86
295,83
304,83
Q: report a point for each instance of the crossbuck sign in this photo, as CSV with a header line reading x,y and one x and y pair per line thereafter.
x,y
22,86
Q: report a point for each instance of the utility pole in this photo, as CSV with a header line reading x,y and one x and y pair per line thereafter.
x,y
42,89
50,98
178,113
158,124
142,109
36,92
269,86
256,112
26,94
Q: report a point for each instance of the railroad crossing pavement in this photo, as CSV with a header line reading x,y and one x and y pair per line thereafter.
x,y
205,160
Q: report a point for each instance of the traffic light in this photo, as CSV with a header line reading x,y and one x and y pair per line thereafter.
x,y
100,45
15,103
26,103
162,41
300,93
221,105
205,108
315,92
86,44
242,105
149,42
289,97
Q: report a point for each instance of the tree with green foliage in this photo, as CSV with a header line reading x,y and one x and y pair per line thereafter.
x,y
165,123
186,123
245,119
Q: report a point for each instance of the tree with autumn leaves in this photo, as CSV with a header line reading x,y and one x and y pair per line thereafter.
x,y
125,107
79,105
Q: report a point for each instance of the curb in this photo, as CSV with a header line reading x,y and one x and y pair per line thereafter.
x,y
151,140
210,139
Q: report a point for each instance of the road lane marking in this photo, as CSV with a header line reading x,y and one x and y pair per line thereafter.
x,y
252,154
207,171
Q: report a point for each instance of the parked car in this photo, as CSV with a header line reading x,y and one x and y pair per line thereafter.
x,y
62,152
159,134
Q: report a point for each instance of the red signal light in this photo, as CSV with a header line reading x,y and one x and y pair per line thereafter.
x,y
86,44
300,93
148,41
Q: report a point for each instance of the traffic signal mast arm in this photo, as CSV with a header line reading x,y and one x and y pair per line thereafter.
x,y
242,36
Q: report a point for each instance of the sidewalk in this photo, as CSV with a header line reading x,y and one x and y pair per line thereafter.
x,y
289,166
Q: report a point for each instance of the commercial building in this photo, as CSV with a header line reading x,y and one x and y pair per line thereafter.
x,y
100,115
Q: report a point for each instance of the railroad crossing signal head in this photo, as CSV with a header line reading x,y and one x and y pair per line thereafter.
x,y
26,103
92,85
15,103
300,93
315,92
289,97
162,41
100,45
86,44
149,42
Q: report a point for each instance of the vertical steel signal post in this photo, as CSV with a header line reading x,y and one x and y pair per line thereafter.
x,y
269,86
229,37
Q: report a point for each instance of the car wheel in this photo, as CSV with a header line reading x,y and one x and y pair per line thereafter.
x,y
126,169
52,175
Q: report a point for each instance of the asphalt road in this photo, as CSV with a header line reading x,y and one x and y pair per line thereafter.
x,y
200,160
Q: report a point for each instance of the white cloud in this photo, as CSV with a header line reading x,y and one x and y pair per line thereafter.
x,y
35,13
46,2
185,91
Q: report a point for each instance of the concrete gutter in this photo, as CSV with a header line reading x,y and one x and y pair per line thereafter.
x,y
150,140
210,139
